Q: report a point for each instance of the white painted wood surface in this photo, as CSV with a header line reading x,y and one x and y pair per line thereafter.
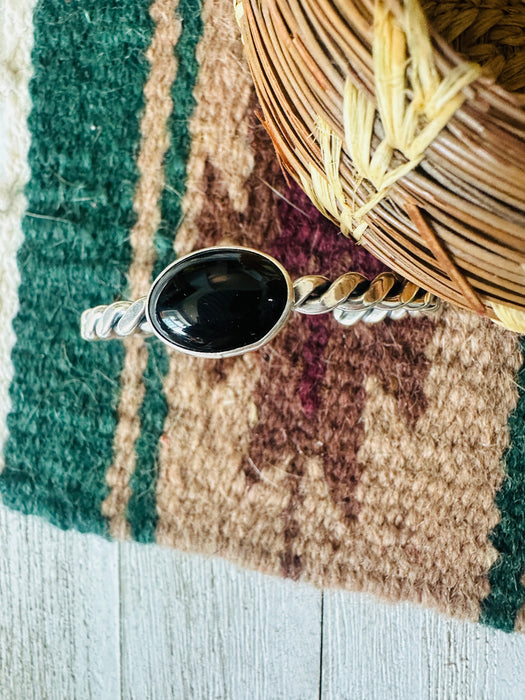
x,y
224,633
83,618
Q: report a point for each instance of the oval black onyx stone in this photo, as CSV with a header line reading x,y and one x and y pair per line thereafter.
x,y
219,301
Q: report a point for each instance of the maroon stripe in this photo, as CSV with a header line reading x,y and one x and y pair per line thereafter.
x,y
311,394
311,244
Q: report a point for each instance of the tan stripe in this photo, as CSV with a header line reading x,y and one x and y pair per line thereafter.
x,y
520,621
519,625
427,495
128,430
154,144
212,409
202,497
220,123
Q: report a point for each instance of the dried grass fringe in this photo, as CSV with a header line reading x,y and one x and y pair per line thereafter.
x,y
415,151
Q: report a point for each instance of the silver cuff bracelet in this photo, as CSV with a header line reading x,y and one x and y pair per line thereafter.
x,y
224,301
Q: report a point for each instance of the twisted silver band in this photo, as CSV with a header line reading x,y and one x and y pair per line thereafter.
x,y
116,320
351,298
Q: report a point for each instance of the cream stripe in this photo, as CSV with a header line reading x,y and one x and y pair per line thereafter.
x,y
155,142
16,42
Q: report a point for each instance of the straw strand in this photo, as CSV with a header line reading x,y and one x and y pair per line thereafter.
x,y
369,107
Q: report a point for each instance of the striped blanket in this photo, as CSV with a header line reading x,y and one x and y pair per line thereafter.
x,y
387,458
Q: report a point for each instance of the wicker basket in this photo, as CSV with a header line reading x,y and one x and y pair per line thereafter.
x,y
405,124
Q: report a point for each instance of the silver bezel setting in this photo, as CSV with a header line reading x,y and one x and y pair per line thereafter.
x,y
158,286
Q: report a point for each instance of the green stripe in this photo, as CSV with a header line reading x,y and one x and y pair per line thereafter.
x,y
507,594
142,514
89,72
142,504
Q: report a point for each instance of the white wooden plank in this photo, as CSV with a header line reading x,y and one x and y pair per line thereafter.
x,y
200,628
59,612
376,651
196,628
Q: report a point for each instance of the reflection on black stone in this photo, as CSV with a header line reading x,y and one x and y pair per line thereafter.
x,y
220,300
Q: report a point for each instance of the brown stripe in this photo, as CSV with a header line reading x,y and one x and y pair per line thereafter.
x,y
154,144
311,394
202,497
395,354
283,436
335,433
520,621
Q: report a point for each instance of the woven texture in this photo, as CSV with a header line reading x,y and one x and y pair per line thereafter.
x,y
404,121
383,458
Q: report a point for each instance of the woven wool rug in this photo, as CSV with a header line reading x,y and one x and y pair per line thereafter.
x,y
386,458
